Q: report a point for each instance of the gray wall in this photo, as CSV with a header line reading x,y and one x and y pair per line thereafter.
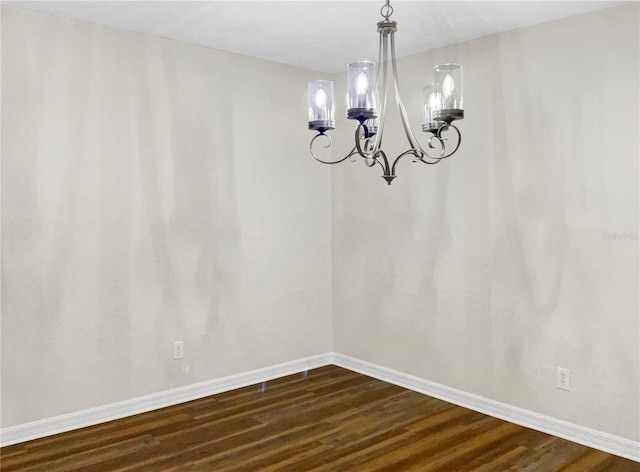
x,y
489,270
152,191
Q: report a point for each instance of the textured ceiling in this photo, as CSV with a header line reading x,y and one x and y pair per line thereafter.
x,y
323,35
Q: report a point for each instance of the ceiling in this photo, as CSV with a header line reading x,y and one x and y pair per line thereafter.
x,y
322,35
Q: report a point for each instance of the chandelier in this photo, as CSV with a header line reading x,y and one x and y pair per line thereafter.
x,y
442,104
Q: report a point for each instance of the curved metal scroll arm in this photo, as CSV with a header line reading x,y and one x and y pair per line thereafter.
x,y
436,141
437,138
369,153
328,145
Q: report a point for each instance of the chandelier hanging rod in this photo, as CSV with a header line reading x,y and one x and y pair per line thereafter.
x,y
442,104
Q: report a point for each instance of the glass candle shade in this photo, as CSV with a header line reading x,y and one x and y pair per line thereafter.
x,y
321,115
361,86
449,78
432,106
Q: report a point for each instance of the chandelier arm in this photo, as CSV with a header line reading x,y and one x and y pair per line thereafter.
x,y
385,168
351,153
373,155
372,160
381,36
413,142
438,136
415,152
382,64
357,138
382,97
420,153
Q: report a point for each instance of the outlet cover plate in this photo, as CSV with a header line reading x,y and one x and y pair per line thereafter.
x,y
178,350
563,378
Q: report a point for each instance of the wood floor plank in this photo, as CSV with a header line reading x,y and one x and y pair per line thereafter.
x,y
83,460
500,461
37,453
330,419
422,446
591,460
458,456
503,453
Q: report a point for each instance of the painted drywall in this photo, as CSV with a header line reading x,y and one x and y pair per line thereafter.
x,y
520,253
152,191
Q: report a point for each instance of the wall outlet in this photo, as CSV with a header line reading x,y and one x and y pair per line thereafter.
x,y
178,350
563,378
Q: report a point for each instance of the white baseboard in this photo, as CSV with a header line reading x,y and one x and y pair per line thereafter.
x,y
579,434
589,437
114,411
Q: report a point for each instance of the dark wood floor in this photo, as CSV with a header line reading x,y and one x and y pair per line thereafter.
x,y
331,420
